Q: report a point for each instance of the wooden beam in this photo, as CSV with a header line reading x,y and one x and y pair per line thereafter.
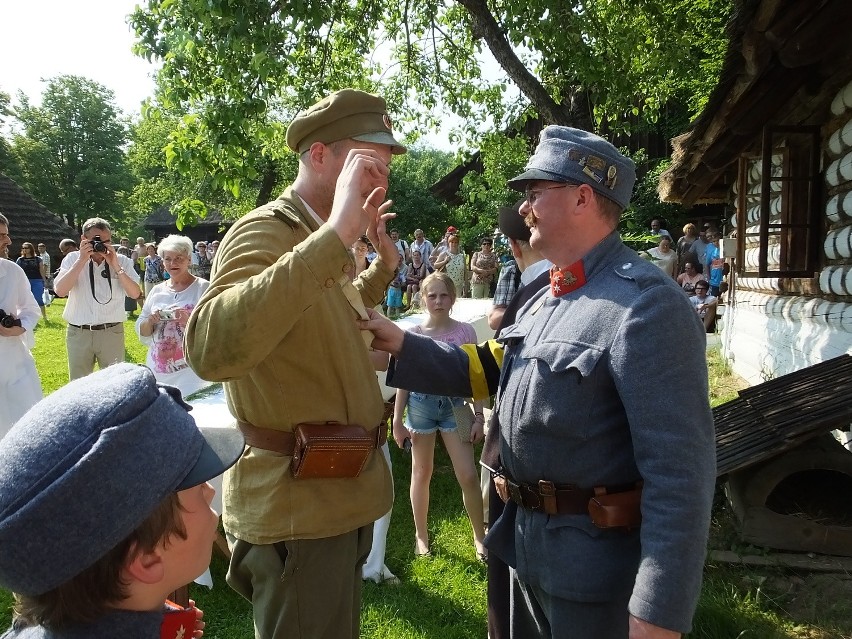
x,y
821,34
813,562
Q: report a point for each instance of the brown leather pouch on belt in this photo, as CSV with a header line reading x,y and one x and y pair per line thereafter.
x,y
331,450
616,510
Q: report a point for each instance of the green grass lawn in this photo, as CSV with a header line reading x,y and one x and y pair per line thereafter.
x,y
444,596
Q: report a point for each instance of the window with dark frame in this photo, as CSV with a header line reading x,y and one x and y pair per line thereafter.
x,y
789,226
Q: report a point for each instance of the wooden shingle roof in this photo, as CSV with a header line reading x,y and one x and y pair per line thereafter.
x,y
29,221
780,414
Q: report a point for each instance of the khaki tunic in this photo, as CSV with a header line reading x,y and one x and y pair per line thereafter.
x,y
276,327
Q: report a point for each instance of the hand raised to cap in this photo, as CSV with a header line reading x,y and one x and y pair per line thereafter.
x,y
359,195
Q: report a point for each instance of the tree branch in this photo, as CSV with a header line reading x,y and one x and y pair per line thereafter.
x,y
485,27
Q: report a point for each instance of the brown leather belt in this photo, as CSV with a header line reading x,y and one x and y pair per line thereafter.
x,y
550,498
284,442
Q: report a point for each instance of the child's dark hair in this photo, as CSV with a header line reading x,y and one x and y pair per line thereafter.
x,y
86,597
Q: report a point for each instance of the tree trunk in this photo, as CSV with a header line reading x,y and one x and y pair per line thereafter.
x,y
270,178
485,27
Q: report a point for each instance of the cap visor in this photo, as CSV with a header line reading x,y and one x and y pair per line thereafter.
x,y
382,137
519,183
222,448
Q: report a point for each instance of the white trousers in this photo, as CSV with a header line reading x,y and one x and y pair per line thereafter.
x,y
374,567
20,387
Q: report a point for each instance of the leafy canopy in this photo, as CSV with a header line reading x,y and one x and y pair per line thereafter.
x,y
240,69
71,151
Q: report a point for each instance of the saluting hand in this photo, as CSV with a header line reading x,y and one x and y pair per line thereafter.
x,y
359,195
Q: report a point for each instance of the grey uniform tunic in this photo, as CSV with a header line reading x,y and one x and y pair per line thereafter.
x,y
603,386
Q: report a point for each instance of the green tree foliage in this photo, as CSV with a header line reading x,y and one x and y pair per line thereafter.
x,y
484,193
71,150
8,163
240,70
160,185
411,176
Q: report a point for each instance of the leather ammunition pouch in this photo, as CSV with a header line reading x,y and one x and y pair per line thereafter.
x,y
319,450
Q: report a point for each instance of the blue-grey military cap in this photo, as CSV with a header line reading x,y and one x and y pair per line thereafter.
x,y
83,468
565,154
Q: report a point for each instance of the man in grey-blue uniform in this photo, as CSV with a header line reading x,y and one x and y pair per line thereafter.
x,y
593,437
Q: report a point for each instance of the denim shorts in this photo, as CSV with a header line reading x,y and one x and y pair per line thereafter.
x,y
430,413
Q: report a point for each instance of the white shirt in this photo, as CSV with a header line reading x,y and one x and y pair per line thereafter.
x,y
81,308
19,383
425,247
165,344
696,302
45,259
534,270
17,299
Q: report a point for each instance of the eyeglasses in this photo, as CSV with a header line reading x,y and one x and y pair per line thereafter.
x,y
177,259
701,288
533,194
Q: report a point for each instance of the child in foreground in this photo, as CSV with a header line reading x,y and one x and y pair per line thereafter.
x,y
428,414
105,509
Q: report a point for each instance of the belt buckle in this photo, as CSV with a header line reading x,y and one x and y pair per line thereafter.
x,y
514,491
547,494
532,500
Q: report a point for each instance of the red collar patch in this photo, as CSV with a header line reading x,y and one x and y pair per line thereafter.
x,y
567,279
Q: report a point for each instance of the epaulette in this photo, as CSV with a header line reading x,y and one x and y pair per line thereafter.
x,y
282,212
645,274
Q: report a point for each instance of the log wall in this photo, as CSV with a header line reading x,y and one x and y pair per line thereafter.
x,y
767,333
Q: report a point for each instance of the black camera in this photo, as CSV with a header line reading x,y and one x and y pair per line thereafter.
x,y
97,245
8,321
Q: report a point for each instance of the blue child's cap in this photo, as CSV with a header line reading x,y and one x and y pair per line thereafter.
x,y
88,464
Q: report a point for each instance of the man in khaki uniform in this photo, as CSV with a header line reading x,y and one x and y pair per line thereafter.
x,y
277,327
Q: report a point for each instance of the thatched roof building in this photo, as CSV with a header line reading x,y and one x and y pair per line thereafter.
x,y
162,222
782,56
29,221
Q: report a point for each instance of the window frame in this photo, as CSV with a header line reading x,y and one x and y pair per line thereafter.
x,y
811,218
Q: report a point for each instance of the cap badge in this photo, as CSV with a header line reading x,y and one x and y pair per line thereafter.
x,y
387,122
596,163
597,178
611,176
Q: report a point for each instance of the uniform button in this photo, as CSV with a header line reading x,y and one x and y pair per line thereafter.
x,y
329,282
347,268
627,266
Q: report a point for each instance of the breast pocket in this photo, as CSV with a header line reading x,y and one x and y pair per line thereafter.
x,y
561,385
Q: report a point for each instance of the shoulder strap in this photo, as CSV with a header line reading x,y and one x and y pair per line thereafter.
x,y
284,214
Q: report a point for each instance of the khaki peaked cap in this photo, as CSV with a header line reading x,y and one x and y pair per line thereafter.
x,y
345,114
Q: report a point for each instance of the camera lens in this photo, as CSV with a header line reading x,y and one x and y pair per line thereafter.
x,y
97,245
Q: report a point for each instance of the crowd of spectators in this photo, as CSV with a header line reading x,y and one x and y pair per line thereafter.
x,y
695,263
100,281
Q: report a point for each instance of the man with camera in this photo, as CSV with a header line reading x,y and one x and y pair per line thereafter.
x,y
19,384
96,280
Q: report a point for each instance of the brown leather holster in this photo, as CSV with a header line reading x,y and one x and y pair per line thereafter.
x,y
319,450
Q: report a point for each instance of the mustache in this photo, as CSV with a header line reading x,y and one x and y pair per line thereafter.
x,y
530,219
